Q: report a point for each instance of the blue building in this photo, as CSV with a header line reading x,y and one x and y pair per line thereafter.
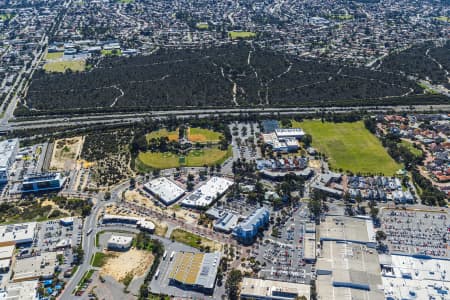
x,y
246,231
43,183
269,126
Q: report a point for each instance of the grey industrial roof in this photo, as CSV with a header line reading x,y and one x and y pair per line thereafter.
x,y
208,270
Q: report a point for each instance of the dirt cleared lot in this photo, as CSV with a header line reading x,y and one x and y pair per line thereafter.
x,y
122,263
65,153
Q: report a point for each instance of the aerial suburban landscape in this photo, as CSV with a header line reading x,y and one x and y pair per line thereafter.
x,y
241,149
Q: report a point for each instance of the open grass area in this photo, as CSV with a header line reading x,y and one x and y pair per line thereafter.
x,y
443,19
159,160
350,147
202,26
410,146
195,158
53,55
62,66
192,239
172,135
427,88
99,259
117,52
207,156
203,135
6,17
342,17
241,34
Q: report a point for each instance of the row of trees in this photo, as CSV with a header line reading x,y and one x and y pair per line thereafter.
x,y
430,195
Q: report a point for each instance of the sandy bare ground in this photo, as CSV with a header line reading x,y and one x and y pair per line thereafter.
x,y
135,197
65,153
315,164
133,261
54,206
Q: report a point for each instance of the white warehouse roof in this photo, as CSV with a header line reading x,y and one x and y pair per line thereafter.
x,y
19,233
208,192
289,132
120,240
164,189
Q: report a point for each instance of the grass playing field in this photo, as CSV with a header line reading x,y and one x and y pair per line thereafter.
x,y
195,158
241,34
172,135
203,135
111,52
54,55
349,146
202,26
62,66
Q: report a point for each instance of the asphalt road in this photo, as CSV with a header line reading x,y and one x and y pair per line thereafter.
x,y
88,242
51,121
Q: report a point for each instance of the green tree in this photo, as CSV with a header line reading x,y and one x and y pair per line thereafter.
x,y
380,236
307,140
232,284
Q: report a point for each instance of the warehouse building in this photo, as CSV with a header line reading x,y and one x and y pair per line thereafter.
x,y
289,133
246,231
347,270
259,289
6,255
26,290
309,242
347,262
226,222
195,271
43,183
269,126
119,242
68,221
415,277
280,144
21,234
35,267
8,152
213,189
283,139
358,230
164,190
140,223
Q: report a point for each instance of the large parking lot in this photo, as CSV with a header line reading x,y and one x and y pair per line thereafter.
x,y
281,254
245,136
52,234
414,232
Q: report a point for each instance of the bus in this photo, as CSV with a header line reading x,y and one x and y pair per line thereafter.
x,y
172,255
156,274
164,255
